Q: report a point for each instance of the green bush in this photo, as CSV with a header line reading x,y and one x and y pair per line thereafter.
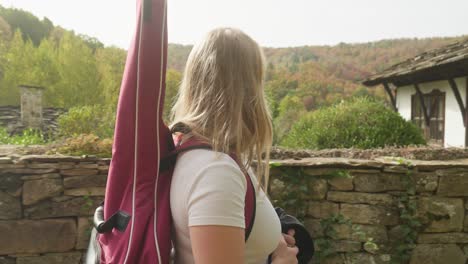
x,y
27,137
96,120
360,123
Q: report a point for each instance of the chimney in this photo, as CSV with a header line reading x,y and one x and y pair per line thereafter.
x,y
31,106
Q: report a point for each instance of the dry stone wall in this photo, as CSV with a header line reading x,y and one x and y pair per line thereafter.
x,y
359,211
45,207
385,210
10,117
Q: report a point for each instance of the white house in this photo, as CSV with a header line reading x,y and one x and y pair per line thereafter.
x,y
431,90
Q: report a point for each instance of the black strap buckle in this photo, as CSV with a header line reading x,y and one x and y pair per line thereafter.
x,y
119,221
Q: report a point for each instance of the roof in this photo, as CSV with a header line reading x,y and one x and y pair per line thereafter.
x,y
450,61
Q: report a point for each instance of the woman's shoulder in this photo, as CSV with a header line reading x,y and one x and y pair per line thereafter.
x,y
199,159
195,164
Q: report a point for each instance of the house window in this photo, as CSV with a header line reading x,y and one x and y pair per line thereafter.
x,y
435,105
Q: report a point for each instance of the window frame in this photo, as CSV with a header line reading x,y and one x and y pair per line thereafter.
x,y
419,120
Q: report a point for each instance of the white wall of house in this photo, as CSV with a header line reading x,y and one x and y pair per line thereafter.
x,y
454,128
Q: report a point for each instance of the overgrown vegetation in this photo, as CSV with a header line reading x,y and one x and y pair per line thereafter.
x,y
358,123
27,137
324,244
83,75
410,223
87,144
94,119
295,199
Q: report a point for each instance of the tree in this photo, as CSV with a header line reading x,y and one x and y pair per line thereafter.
x,y
173,79
79,77
110,64
30,26
290,109
18,60
5,37
46,72
5,31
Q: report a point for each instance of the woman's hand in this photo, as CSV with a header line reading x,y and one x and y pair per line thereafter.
x,y
286,251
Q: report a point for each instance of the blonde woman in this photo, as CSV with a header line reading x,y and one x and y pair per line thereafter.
x,y
221,100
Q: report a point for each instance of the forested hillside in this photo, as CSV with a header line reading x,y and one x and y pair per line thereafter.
x,y
79,70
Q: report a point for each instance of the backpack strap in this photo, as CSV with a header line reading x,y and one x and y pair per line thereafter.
x,y
250,196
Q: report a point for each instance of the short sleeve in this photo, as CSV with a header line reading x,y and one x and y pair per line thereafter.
x,y
217,196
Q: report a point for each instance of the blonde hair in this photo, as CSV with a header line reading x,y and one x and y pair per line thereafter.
x,y
221,98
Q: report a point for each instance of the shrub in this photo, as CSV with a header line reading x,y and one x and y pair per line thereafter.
x,y
87,144
96,120
360,122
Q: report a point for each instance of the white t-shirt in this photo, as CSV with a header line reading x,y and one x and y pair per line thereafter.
x,y
208,188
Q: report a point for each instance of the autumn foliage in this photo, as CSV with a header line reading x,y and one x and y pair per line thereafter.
x,y
82,74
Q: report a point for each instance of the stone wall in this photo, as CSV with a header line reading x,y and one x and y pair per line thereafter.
x,y
45,207
359,211
10,117
380,210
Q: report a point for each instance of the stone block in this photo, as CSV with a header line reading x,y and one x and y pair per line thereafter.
x,y
361,198
41,176
90,191
85,181
311,171
365,258
26,171
465,225
361,233
38,190
426,182
333,259
452,171
5,160
37,165
443,238
396,233
79,172
345,246
453,185
314,227
441,214
29,237
73,207
277,188
10,207
7,260
84,232
53,258
66,165
396,169
11,166
364,171
87,165
317,189
322,209
103,167
437,254
378,182
369,214
11,183
341,184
